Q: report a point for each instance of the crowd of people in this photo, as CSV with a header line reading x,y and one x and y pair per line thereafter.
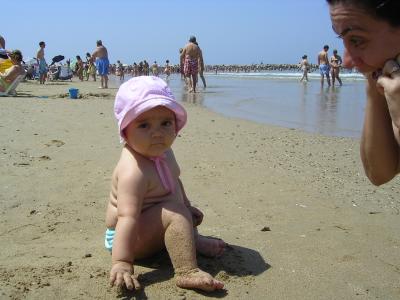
x,y
191,66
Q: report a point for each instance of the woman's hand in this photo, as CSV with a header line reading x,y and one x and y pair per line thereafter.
x,y
122,273
389,85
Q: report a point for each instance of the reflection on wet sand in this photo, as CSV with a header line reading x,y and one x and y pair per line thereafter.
x,y
327,109
194,98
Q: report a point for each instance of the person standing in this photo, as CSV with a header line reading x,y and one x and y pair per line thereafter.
x,y
305,67
190,56
201,67
154,69
167,69
42,63
323,63
120,70
370,31
79,67
91,67
336,63
100,54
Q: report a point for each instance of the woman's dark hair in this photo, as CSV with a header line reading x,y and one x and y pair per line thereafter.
x,y
17,55
387,10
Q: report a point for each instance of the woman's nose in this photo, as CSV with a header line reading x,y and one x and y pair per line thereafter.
x,y
348,61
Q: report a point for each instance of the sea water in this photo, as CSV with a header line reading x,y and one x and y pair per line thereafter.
x,y
278,98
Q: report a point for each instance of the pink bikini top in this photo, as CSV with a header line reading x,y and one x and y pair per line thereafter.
x,y
164,172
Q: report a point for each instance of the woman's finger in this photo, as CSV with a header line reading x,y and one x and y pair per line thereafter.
x,y
391,68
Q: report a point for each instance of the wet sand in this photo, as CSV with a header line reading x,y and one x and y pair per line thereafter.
x,y
301,219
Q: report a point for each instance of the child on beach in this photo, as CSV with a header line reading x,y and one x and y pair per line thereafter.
x,y
148,208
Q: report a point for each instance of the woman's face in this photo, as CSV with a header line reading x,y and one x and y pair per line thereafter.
x,y
369,42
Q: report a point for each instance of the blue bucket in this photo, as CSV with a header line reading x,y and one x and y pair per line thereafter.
x,y
73,93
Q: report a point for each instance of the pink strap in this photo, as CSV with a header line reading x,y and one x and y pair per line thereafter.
x,y
164,172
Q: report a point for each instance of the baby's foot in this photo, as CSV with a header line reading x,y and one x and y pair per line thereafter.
x,y
197,279
208,246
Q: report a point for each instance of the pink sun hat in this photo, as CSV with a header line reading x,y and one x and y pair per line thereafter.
x,y
141,94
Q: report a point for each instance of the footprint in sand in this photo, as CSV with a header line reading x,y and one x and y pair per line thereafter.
x,y
56,143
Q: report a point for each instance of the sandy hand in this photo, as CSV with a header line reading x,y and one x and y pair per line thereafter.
x,y
211,247
197,215
122,273
197,279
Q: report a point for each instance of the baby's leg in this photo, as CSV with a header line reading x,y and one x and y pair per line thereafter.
x,y
209,246
170,223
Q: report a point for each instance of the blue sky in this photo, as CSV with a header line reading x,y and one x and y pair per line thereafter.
x,y
228,31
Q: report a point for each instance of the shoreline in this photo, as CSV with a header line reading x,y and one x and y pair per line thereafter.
x,y
301,219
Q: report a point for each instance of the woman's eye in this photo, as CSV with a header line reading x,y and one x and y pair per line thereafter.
x,y
355,41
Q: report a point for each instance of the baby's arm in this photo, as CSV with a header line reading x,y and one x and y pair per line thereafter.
x,y
197,215
131,189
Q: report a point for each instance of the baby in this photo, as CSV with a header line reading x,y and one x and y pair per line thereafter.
x,y
148,208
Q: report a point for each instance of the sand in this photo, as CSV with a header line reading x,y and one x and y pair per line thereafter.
x,y
301,219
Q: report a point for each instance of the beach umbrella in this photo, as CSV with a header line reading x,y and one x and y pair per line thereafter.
x,y
30,61
57,59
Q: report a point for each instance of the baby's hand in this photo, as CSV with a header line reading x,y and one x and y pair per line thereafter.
x,y
197,215
122,273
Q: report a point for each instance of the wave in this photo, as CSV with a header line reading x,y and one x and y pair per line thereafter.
x,y
284,75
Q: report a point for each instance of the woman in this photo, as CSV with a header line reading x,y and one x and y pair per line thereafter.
x,y
92,67
335,62
370,30
13,72
79,67
305,67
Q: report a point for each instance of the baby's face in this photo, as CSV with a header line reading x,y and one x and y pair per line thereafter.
x,y
153,132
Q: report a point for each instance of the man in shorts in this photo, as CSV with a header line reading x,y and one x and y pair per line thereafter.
x,y
323,63
100,54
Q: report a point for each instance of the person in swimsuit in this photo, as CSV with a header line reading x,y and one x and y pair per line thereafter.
x,y
190,57
305,67
100,54
336,63
92,68
201,67
167,69
323,63
79,67
42,63
148,209
10,74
